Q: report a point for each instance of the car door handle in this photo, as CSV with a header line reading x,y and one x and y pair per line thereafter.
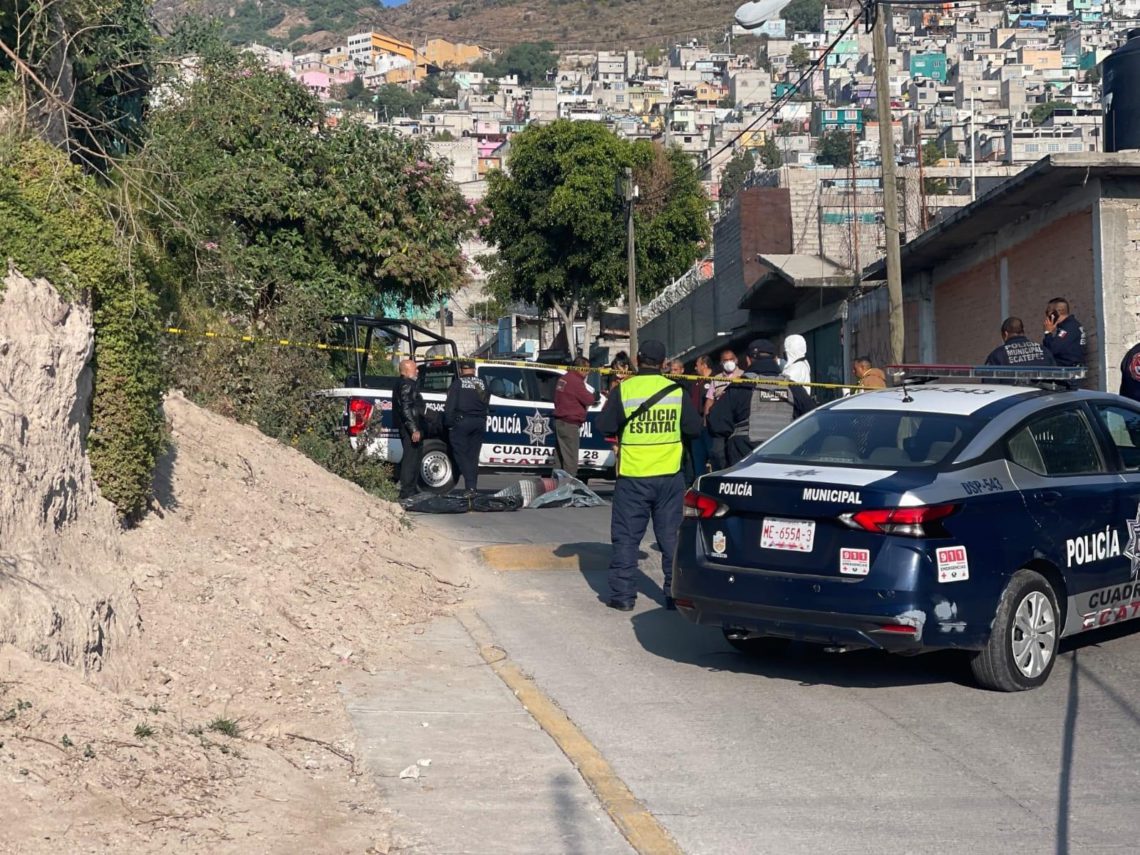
x,y
1048,497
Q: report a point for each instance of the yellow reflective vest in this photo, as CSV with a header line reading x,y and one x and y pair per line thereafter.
x,y
651,444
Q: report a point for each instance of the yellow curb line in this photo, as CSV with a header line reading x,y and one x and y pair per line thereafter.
x,y
540,556
638,825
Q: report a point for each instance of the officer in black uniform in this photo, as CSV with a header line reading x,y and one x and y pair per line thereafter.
x,y
465,416
730,414
1064,335
1130,374
409,410
1016,349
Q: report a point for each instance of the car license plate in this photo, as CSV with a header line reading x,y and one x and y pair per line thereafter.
x,y
789,535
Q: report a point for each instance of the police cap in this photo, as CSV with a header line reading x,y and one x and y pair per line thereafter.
x,y
761,347
652,350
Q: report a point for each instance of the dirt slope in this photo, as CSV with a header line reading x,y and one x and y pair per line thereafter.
x,y
260,582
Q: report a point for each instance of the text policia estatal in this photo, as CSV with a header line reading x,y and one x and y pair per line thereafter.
x,y
655,421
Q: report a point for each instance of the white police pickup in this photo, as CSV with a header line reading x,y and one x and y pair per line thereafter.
x,y
520,424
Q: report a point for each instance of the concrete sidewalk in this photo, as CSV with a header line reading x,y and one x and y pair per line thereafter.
x,y
496,783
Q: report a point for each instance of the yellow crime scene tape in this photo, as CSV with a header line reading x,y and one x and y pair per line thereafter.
x,y
510,363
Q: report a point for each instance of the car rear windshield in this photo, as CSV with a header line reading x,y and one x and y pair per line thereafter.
x,y
875,439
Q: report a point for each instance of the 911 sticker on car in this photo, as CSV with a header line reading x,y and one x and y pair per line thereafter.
x,y
953,565
854,562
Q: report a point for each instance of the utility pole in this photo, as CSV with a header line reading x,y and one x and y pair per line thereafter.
x,y
631,260
921,177
854,213
890,186
973,162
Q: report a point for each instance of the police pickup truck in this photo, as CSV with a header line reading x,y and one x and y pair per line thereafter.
x,y
520,424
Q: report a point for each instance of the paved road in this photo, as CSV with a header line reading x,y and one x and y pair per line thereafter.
x,y
812,752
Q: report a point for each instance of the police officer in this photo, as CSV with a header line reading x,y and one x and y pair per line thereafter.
x,y
650,415
465,416
750,413
1064,335
1016,349
1130,374
409,410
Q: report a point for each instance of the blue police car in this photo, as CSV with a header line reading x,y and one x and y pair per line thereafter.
x,y
993,519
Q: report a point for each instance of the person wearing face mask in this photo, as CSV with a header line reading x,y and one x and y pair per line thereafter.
x,y
728,369
751,413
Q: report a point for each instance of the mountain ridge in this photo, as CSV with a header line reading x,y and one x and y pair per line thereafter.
x,y
568,24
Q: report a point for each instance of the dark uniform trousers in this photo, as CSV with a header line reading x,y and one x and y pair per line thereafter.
x,y
466,442
410,462
635,502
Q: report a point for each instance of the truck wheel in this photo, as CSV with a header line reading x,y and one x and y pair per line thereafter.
x,y
437,471
1022,647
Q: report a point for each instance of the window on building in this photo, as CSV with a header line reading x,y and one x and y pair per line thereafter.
x,y
1031,148
1054,147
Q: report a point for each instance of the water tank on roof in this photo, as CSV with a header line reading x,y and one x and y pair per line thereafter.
x,y
1121,83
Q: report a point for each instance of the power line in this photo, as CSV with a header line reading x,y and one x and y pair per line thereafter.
x,y
776,104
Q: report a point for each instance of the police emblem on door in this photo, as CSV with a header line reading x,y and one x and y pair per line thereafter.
x,y
719,542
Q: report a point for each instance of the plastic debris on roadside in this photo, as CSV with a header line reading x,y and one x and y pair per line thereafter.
x,y
460,503
568,492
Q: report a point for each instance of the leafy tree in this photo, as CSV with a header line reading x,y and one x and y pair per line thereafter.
x,y
1041,112
559,222
392,100
804,15
1093,75
834,148
736,172
932,152
273,201
799,57
454,13
350,93
529,60
652,55
770,154
104,51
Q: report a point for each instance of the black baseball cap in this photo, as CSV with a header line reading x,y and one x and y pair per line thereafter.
x,y
761,346
652,350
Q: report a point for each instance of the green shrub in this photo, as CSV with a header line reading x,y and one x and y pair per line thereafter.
x,y
53,224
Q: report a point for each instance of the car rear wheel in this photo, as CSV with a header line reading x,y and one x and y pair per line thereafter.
x,y
756,645
437,472
1022,648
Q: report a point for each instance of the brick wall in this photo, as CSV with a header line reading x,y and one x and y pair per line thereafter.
x,y
1056,261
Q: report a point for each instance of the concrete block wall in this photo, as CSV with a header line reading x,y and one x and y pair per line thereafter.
x,y
1118,235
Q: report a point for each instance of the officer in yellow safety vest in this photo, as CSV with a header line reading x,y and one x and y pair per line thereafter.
x,y
649,414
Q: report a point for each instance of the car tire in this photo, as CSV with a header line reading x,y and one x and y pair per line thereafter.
x,y
437,469
1024,640
764,645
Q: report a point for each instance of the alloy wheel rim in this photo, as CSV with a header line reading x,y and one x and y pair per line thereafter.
x,y
1034,636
